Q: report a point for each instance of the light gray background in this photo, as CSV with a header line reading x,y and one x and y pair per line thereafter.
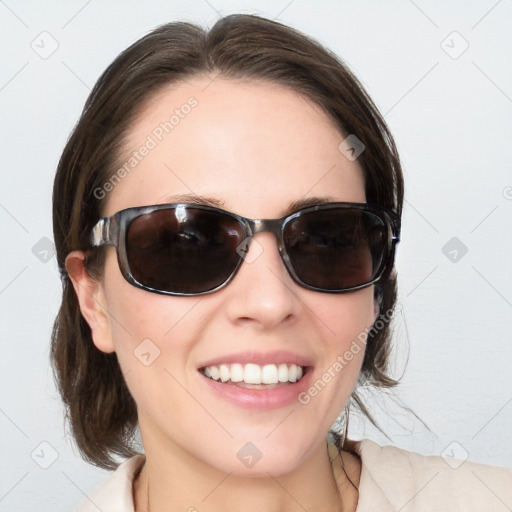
x,y
450,112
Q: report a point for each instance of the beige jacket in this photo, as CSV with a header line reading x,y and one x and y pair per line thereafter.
x,y
392,480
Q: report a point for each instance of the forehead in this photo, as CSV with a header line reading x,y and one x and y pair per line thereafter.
x,y
253,146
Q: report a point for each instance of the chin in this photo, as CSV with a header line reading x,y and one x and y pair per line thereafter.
x,y
254,456
261,468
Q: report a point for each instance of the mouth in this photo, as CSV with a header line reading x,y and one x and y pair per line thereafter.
x,y
261,381
255,376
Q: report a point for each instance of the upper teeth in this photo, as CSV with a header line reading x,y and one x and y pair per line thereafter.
x,y
255,374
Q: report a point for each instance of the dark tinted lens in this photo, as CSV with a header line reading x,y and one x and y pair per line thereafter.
x,y
183,250
336,249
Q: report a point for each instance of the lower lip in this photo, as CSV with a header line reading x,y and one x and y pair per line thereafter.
x,y
263,399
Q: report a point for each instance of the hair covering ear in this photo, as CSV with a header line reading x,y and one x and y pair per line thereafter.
x,y
378,295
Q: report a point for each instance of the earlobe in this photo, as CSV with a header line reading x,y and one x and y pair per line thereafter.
x,y
92,301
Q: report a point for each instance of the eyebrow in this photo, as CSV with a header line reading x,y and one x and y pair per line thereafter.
x,y
292,207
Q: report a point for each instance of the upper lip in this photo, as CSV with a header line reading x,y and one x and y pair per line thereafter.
x,y
260,358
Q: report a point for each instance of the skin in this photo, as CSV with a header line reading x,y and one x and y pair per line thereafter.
x,y
256,147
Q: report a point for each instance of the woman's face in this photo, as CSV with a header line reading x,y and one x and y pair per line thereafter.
x,y
252,148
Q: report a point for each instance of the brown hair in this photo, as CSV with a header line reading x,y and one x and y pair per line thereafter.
x,y
100,409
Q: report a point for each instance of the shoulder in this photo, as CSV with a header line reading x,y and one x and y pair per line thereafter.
x,y
115,493
398,479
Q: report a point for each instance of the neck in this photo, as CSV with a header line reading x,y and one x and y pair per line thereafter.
x,y
173,480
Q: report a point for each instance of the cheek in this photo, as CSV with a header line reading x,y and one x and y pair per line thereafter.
x,y
137,314
346,319
153,338
147,328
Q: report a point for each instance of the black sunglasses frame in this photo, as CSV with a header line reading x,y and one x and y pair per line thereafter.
x,y
113,230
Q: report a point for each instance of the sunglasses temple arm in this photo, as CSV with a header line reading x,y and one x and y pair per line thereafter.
x,y
395,225
103,232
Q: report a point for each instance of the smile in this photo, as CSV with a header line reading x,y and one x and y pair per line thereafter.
x,y
257,380
253,375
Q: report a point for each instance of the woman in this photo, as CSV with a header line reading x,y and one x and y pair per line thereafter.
x,y
226,214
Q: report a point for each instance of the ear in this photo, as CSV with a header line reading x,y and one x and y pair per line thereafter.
x,y
92,301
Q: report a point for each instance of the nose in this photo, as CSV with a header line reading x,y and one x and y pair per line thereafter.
x,y
262,293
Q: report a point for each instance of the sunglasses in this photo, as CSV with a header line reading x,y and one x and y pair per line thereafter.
x,y
191,249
